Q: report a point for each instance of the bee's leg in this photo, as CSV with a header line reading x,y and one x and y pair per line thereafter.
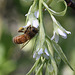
x,y
24,44
21,31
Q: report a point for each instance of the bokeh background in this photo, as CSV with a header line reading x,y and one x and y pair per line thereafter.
x,y
13,60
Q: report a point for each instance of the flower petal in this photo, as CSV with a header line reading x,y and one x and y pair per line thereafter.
x,y
64,35
26,14
34,55
53,36
46,52
35,23
36,13
56,38
28,24
68,32
38,56
40,51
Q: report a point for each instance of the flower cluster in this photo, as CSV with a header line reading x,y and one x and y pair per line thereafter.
x,y
44,45
58,30
42,52
32,19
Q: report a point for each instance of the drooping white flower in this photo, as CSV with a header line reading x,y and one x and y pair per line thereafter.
x,y
58,32
32,18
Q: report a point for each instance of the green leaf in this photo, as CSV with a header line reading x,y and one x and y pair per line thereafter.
x,y
60,53
58,49
39,69
62,13
50,55
57,58
55,55
52,59
49,69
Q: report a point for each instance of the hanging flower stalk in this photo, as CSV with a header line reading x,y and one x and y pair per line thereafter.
x,y
47,52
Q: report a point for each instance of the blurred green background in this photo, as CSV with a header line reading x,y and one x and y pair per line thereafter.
x,y
14,61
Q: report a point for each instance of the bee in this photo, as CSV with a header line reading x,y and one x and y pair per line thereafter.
x,y
29,33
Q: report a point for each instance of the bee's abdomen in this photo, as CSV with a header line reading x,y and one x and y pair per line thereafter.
x,y
20,39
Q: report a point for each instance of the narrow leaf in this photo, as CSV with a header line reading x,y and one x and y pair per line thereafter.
x,y
60,52
39,70
51,57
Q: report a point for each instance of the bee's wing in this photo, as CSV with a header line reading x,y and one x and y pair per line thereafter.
x,y
24,44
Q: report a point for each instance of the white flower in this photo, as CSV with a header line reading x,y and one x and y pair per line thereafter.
x,y
36,14
33,18
64,35
42,52
33,22
55,36
58,32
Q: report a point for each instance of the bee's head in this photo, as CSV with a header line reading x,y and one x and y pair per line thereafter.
x,y
35,30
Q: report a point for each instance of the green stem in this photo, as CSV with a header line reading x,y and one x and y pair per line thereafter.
x,y
41,28
40,10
